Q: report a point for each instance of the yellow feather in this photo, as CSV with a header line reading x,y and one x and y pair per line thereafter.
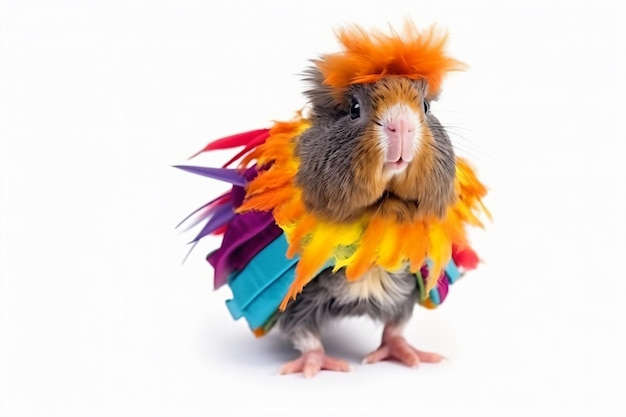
x,y
367,248
440,251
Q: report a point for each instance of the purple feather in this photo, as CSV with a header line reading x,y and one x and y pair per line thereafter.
x,y
231,176
205,214
246,235
221,216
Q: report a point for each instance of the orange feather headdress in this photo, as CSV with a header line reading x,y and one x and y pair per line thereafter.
x,y
369,56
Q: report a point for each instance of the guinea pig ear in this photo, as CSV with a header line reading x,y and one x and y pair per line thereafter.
x,y
422,88
322,97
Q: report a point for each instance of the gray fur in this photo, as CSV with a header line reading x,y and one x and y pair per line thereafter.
x,y
328,151
327,177
323,299
325,106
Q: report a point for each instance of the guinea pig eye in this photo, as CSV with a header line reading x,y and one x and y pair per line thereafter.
x,y
426,106
355,109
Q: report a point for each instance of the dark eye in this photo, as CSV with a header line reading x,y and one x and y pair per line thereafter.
x,y
426,106
355,109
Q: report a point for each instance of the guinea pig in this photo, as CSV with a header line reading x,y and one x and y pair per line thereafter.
x,y
356,208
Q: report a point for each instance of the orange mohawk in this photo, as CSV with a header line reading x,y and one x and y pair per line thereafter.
x,y
367,57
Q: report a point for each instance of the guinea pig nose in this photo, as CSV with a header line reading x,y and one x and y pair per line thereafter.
x,y
400,125
400,141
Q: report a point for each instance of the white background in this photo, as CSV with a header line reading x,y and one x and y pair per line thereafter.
x,y
98,316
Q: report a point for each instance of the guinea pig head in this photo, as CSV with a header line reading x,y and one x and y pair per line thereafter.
x,y
374,147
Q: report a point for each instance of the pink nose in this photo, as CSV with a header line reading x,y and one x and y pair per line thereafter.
x,y
399,126
401,135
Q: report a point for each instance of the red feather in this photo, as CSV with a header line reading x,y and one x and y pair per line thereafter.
x,y
465,258
248,139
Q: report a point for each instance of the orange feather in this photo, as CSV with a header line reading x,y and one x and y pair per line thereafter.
x,y
369,56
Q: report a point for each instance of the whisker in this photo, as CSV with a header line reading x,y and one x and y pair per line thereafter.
x,y
465,145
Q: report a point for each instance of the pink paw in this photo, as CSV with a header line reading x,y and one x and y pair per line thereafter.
x,y
396,347
313,361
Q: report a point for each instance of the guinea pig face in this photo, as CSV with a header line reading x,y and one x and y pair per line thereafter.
x,y
395,115
374,147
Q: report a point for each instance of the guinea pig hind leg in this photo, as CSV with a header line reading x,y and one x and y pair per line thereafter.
x,y
313,359
395,347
